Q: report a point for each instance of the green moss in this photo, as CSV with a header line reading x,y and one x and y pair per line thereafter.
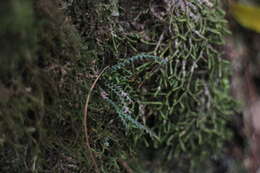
x,y
170,105
186,101
32,44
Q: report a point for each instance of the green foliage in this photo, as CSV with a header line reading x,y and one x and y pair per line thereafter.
x,y
124,105
193,116
184,100
169,99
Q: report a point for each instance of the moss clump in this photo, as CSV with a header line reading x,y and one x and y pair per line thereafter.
x,y
186,101
172,98
34,41
21,99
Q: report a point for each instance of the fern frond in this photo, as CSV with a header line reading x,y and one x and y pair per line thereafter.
x,y
128,121
137,58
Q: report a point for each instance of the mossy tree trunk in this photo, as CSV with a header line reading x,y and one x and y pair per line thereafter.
x,y
170,99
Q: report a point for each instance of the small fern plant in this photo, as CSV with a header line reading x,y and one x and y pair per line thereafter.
x,y
116,90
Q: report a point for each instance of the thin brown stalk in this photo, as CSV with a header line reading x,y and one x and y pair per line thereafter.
x,y
85,113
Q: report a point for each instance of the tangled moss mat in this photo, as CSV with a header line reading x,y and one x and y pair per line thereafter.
x,y
163,104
